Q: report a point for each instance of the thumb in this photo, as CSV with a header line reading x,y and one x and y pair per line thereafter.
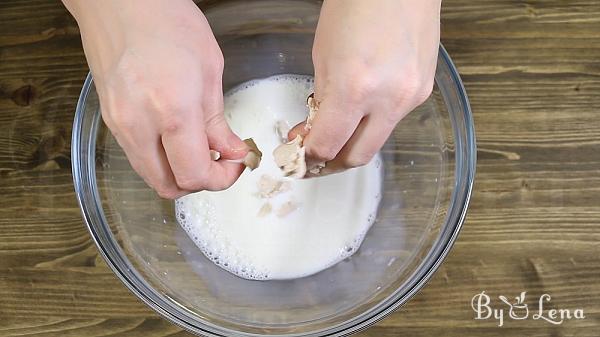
x,y
298,129
222,139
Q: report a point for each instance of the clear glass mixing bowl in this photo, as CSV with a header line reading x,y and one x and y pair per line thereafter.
x,y
429,165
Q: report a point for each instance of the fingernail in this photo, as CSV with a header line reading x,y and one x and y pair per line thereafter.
x,y
236,144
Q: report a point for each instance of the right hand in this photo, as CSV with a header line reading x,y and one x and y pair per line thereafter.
x,y
374,62
158,72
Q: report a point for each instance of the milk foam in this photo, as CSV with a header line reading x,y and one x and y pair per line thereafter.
x,y
333,212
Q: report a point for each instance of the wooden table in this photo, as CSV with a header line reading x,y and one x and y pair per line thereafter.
x,y
532,71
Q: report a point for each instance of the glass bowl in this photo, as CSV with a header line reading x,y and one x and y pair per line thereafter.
x,y
429,166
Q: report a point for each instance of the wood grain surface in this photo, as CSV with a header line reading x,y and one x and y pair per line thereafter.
x,y
532,71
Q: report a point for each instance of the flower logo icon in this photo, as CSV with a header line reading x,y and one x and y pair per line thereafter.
x,y
519,309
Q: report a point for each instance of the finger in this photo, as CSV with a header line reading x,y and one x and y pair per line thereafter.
x,y
223,174
331,128
219,134
369,137
188,155
148,159
159,174
222,139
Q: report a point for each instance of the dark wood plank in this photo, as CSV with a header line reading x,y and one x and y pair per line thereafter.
x,y
532,71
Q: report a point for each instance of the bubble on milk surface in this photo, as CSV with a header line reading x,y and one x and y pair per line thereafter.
x,y
215,248
286,79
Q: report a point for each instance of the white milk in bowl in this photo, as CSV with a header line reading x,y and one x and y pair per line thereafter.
x,y
267,226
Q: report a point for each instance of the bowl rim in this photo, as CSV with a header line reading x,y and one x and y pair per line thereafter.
x,y
83,171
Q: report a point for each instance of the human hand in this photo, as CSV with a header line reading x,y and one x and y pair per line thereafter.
x,y
374,62
158,72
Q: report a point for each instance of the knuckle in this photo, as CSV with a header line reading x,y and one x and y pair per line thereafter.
x,y
167,96
168,101
164,190
407,95
322,152
362,87
400,110
216,65
223,185
215,118
424,92
357,160
397,113
189,184
122,120
414,90
213,73
173,123
192,183
167,193
407,90
171,112
315,53
109,120
219,62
